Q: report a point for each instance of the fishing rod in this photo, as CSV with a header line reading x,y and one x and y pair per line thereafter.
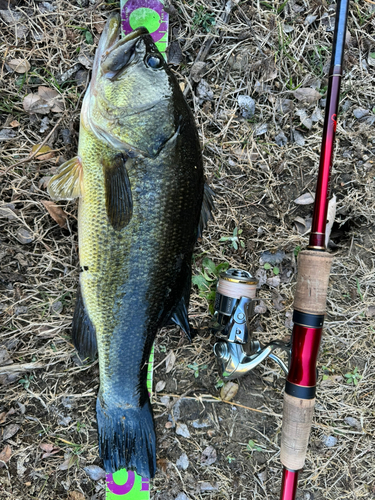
x,y
314,266
237,353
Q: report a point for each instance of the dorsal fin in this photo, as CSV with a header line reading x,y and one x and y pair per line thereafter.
x,y
118,194
66,183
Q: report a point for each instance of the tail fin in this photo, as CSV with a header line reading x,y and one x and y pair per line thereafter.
x,y
127,439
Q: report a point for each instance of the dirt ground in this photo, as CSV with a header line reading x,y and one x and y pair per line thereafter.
x,y
258,98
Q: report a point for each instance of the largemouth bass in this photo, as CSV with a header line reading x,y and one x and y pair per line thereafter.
x,y
139,179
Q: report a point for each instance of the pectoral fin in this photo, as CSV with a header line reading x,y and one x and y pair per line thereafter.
x,y
66,183
118,194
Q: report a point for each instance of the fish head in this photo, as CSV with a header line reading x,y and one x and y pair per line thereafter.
x,y
134,100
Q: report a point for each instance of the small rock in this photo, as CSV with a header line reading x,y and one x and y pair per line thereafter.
x,y
204,92
44,125
247,106
360,112
261,129
24,237
272,258
274,282
7,134
165,400
81,77
310,19
197,424
329,441
57,307
305,120
64,421
209,456
260,308
298,138
261,276
183,462
67,402
18,310
182,430
353,422
182,496
208,486
94,472
66,136
281,139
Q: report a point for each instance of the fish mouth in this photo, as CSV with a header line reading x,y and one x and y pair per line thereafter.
x,y
121,53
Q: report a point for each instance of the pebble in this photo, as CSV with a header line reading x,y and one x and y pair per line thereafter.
x,y
182,430
183,462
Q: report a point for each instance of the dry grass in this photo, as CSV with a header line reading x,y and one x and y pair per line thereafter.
x,y
265,50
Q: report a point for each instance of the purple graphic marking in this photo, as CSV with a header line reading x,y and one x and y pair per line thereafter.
x,y
145,484
122,489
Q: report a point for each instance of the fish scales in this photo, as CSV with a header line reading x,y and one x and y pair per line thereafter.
x,y
139,178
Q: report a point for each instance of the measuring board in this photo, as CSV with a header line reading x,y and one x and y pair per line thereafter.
x,y
123,484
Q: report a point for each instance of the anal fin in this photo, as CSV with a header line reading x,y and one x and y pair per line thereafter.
x,y
83,331
66,183
206,210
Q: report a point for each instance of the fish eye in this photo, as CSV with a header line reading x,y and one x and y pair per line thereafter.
x,y
154,61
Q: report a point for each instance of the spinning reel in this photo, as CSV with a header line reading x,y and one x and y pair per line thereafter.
x,y
237,353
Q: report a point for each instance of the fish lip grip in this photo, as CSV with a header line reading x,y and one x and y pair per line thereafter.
x,y
236,352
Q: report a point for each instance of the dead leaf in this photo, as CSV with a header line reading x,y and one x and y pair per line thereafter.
x,y
307,94
33,103
160,386
98,23
304,199
14,123
278,301
162,464
19,65
47,94
370,311
174,53
228,391
170,361
44,152
51,96
331,214
10,431
49,448
5,455
197,71
209,456
56,212
76,495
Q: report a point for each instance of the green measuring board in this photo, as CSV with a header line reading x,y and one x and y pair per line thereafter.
x,y
123,484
